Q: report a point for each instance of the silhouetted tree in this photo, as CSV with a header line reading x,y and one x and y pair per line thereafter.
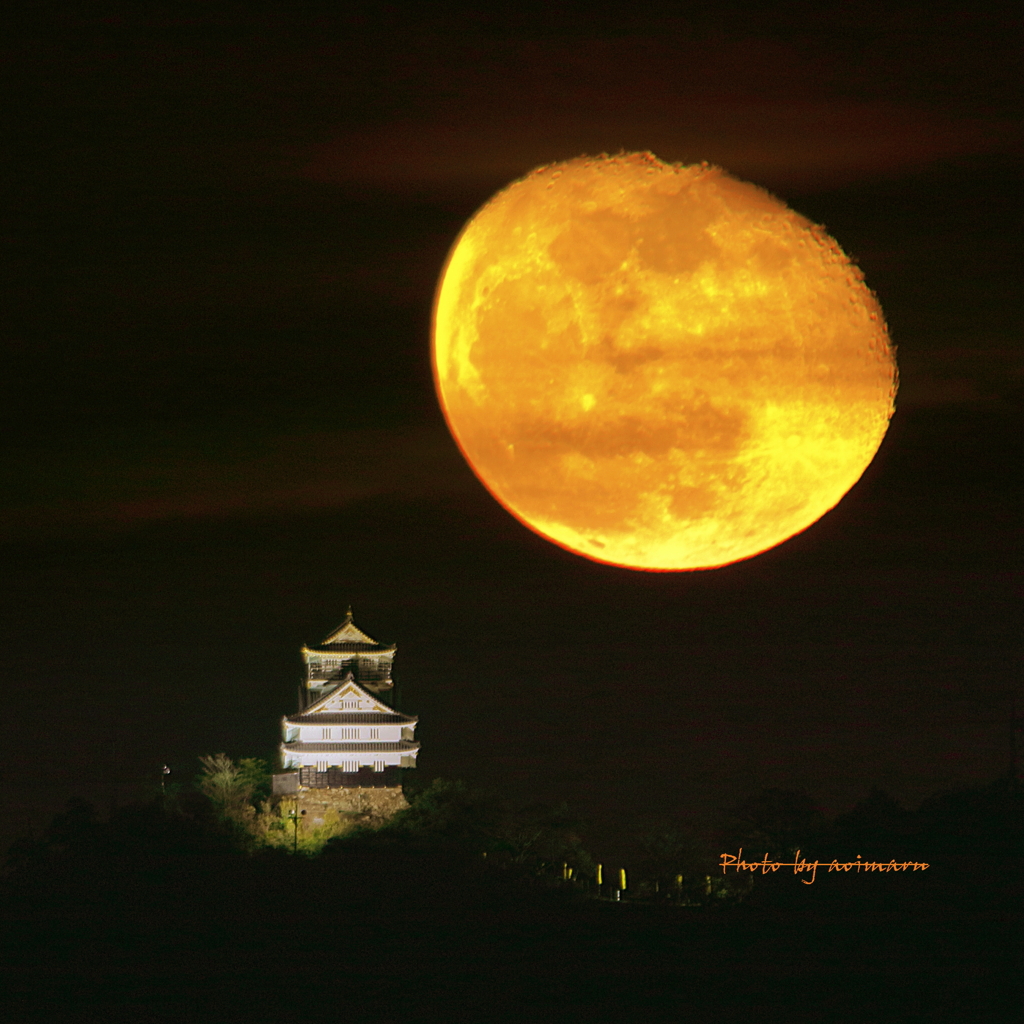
x,y
451,811
776,821
675,861
982,821
457,817
876,826
541,838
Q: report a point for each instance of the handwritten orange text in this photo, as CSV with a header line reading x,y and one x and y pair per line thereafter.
x,y
801,865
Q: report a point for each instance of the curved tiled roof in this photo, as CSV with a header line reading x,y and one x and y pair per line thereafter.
x,y
340,748
349,637
349,718
352,647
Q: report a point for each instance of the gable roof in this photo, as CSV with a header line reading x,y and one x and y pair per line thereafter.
x,y
348,632
347,693
349,637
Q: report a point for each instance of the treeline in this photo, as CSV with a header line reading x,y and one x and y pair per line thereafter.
x,y
972,840
229,813
177,910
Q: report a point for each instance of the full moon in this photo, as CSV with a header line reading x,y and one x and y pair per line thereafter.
x,y
658,366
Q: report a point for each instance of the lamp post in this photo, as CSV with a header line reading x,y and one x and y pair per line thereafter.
x,y
295,815
164,772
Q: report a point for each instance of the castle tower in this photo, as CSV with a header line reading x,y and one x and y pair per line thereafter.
x,y
347,650
345,746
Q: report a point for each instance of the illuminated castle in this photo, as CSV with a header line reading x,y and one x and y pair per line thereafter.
x,y
344,736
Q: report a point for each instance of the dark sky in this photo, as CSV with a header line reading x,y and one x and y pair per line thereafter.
x,y
222,228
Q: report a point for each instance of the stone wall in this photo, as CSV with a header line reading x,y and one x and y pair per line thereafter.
x,y
358,805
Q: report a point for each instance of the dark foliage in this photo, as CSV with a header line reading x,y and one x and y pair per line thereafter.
x,y
776,822
159,915
535,839
972,841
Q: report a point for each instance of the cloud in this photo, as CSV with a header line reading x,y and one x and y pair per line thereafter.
x,y
783,143
761,109
298,472
988,374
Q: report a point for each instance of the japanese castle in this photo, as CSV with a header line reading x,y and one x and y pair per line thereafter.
x,y
345,734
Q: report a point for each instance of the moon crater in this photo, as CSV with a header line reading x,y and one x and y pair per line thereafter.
x,y
658,366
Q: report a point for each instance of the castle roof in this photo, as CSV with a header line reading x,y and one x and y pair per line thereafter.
x,y
349,718
340,700
349,638
316,748
351,648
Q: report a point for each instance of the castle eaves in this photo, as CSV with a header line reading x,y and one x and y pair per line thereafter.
x,y
350,718
326,748
352,647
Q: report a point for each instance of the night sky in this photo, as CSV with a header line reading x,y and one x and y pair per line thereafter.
x,y
222,230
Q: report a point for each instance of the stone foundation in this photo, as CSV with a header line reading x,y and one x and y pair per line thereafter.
x,y
358,805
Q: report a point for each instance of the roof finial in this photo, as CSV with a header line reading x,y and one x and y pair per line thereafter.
x,y
348,615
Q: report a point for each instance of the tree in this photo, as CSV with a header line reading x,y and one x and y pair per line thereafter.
x,y
983,821
450,811
541,838
222,781
235,789
253,772
777,822
535,837
674,859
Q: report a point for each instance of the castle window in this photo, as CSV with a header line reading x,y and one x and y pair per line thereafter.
x,y
326,734
378,766
375,734
350,734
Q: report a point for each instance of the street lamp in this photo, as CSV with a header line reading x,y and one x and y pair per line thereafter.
x,y
295,827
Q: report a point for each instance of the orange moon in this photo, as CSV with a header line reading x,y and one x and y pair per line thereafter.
x,y
658,366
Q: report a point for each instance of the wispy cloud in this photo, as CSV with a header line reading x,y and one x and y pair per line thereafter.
x,y
783,143
762,109
297,472
967,373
